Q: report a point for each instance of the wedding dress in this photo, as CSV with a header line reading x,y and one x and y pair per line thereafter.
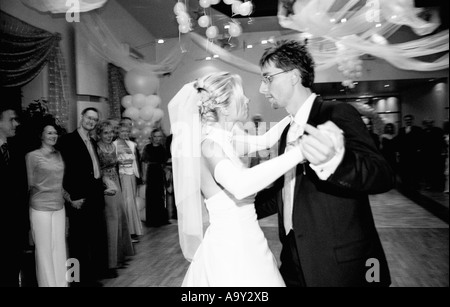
x,y
234,251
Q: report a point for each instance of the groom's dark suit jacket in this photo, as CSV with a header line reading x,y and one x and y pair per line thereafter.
x,y
332,220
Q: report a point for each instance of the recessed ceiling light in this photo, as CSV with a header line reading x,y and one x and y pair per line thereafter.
x,y
249,46
263,42
215,56
208,58
344,20
386,85
160,41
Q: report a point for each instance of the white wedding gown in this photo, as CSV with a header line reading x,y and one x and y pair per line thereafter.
x,y
234,251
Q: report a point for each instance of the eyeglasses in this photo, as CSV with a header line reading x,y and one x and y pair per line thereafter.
x,y
267,79
95,119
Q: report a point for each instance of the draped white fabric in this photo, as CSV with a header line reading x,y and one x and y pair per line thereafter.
x,y
99,37
364,29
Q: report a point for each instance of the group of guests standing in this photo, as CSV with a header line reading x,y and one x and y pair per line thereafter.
x,y
419,155
88,178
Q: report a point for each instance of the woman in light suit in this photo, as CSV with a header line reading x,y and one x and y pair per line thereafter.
x,y
128,172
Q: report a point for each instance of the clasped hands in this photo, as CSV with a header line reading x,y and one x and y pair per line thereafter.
x,y
320,144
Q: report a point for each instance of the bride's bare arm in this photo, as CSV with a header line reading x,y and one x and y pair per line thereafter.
x,y
242,182
247,143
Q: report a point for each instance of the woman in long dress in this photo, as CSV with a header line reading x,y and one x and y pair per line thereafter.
x,y
234,250
128,172
118,233
154,159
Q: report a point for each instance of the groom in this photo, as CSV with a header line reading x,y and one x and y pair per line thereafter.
x,y
326,225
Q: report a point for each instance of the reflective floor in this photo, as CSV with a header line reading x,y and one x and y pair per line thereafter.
x,y
415,241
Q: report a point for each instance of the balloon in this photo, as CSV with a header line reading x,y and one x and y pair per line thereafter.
x,y
212,32
246,8
214,2
147,132
203,21
135,132
140,123
153,101
235,29
184,28
139,100
235,6
127,101
183,19
132,113
179,8
204,3
137,81
228,1
146,113
158,114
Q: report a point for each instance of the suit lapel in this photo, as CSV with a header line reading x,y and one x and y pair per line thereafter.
x,y
313,120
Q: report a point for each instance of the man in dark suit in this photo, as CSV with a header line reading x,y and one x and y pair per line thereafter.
x,y
410,141
14,223
85,210
326,226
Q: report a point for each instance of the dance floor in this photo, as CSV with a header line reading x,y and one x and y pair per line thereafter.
x,y
416,245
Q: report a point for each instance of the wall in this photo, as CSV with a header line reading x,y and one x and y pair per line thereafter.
x,y
429,101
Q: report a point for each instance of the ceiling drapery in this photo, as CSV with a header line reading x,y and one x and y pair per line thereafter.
x,y
363,27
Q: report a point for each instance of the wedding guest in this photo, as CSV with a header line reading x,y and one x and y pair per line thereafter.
x,y
87,239
45,169
126,151
119,239
154,158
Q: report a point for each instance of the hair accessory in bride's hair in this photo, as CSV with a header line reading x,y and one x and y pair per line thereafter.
x,y
207,102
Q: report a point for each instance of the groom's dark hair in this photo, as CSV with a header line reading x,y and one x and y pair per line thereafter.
x,y
288,55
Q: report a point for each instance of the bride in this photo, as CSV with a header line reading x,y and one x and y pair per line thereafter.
x,y
233,251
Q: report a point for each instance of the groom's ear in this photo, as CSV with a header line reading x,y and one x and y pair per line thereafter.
x,y
295,78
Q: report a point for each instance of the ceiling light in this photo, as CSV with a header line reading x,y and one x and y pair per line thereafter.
x,y
263,42
215,56
160,41
344,20
226,26
386,85
249,46
208,58
378,25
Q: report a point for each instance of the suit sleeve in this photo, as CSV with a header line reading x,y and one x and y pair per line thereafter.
x,y
363,168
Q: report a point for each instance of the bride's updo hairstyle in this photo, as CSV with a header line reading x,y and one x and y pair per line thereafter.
x,y
217,91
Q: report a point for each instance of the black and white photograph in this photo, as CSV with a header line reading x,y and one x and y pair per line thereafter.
x,y
224,149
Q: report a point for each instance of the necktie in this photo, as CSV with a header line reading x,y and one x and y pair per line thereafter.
x,y
294,132
5,153
95,163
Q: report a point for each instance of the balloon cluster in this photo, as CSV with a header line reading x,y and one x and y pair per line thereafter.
x,y
142,104
349,64
238,8
183,18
